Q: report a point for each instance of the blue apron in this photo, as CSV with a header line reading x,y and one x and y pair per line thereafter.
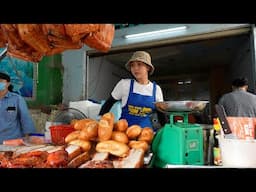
x,y
139,108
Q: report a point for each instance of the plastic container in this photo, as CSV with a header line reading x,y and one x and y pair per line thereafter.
x,y
238,152
48,124
59,132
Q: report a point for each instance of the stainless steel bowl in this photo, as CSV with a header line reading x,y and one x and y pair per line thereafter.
x,y
187,106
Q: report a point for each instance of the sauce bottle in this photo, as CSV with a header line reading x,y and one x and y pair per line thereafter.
x,y
216,148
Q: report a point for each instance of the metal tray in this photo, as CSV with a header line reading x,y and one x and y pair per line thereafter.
x,y
187,106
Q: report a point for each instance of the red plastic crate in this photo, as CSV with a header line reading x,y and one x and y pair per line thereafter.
x,y
59,132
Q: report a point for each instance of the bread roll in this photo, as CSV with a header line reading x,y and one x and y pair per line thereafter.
x,y
120,137
133,131
80,124
109,117
72,136
90,132
85,145
113,147
139,145
147,135
121,125
104,130
73,121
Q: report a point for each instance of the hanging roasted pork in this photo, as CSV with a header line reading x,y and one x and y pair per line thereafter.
x,y
33,35
79,31
58,39
30,42
3,40
102,39
17,47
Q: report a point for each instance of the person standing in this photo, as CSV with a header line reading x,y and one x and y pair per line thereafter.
x,y
15,119
239,102
138,95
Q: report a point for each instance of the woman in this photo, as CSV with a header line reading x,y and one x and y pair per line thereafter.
x,y
138,95
15,119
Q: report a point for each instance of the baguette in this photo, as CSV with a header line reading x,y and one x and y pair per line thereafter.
x,y
113,147
147,135
121,125
133,131
90,131
120,137
139,145
85,145
72,136
104,130
110,118
80,124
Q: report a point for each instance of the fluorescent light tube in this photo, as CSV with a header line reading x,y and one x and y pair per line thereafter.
x,y
158,32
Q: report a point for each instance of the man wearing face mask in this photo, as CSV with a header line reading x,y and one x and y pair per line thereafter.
x,y
15,119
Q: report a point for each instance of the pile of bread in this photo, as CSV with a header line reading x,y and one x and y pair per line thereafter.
x,y
106,142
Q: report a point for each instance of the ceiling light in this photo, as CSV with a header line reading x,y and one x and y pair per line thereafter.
x,y
187,82
158,32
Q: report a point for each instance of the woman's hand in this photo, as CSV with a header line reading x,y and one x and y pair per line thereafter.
x,y
162,106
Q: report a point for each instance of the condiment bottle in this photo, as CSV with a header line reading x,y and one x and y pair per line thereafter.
x,y
216,148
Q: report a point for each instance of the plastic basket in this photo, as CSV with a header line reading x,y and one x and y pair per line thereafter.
x,y
59,132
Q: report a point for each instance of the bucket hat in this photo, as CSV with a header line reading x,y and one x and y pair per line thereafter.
x,y
142,56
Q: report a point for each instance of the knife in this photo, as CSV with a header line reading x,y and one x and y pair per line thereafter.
x,y
224,123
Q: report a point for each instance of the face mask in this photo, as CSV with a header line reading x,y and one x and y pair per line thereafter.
x,y
2,86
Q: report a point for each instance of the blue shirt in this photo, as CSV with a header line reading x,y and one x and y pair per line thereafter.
x,y
15,119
